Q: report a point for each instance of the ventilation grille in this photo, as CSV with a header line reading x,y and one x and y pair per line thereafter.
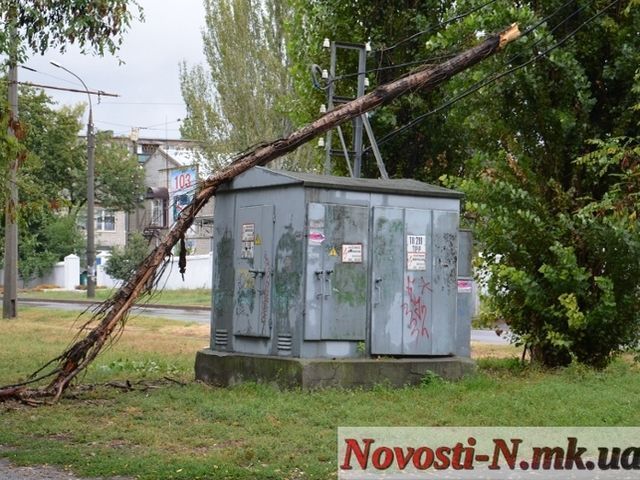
x,y
284,343
221,338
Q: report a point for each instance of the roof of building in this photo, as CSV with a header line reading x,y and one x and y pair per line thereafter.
x,y
263,177
182,156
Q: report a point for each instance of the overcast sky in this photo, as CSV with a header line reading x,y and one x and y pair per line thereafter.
x,y
147,83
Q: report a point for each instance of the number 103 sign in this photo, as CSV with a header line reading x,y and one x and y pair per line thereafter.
x,y
182,179
182,183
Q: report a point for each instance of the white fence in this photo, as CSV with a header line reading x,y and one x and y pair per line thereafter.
x,y
198,274
66,274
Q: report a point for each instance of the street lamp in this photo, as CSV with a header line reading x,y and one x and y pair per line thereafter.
x,y
91,146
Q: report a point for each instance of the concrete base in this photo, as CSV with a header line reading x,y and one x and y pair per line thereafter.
x,y
224,369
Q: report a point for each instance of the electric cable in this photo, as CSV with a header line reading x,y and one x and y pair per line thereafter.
x,y
319,85
491,79
436,27
66,80
142,103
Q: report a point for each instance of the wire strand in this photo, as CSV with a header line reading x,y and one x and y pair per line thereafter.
x,y
452,54
491,79
435,27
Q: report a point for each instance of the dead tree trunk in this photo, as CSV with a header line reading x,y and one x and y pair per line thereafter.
x,y
112,314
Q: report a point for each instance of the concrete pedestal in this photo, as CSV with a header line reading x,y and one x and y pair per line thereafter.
x,y
224,369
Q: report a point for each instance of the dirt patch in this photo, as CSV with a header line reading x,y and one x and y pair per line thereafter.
x,y
485,350
42,472
60,437
204,450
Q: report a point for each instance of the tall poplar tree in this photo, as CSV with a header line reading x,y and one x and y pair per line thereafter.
x,y
241,96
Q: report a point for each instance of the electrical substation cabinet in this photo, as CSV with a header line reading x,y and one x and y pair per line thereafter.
x,y
313,266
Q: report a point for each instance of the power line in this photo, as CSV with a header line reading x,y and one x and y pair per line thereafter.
x,y
393,67
114,124
316,70
142,103
316,82
435,27
553,14
452,54
150,127
565,20
100,93
49,75
493,78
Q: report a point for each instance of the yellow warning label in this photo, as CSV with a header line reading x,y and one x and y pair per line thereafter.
x,y
333,252
258,240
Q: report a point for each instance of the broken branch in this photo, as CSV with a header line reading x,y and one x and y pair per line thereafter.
x,y
113,312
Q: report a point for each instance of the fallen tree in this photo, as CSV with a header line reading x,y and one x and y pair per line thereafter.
x,y
110,317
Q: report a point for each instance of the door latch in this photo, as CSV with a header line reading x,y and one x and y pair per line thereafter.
x,y
377,290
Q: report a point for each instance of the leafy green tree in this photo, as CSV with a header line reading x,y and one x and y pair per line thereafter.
x,y
53,173
52,182
124,261
95,26
551,180
36,26
433,147
563,264
45,239
240,97
558,239
119,177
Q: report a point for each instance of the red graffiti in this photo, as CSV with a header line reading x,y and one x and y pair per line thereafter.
x,y
416,308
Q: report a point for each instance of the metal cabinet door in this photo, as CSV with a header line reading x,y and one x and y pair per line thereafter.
x,y
402,273
387,277
316,245
337,244
254,260
445,244
417,290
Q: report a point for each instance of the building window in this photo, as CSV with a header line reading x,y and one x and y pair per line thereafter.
x,y
158,216
105,220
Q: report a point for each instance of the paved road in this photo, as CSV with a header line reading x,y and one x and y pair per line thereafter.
x,y
202,315
489,336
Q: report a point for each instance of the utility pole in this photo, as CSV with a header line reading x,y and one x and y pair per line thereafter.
x,y
359,122
10,293
91,221
134,136
91,199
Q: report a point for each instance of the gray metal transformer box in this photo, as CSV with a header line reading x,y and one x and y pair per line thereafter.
x,y
311,266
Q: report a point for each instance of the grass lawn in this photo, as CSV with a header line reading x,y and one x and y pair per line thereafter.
x,y
200,297
254,431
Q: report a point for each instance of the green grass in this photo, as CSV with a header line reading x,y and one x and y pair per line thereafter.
x,y
254,431
198,297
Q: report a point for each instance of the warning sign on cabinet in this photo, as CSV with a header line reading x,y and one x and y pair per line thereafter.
x,y
316,238
247,250
465,286
248,239
352,253
416,252
248,232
